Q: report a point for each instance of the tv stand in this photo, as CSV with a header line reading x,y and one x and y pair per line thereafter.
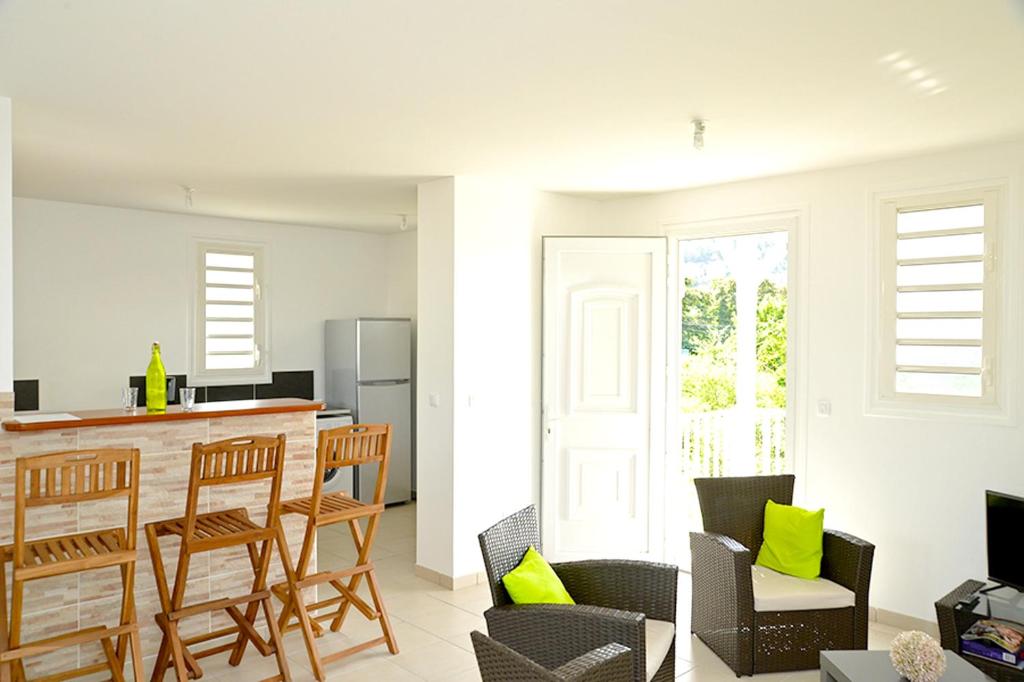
x,y
969,603
996,586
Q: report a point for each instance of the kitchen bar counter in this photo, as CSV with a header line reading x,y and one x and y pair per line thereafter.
x,y
229,408
165,444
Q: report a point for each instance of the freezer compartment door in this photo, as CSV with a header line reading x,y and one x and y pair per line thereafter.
x,y
385,350
389,404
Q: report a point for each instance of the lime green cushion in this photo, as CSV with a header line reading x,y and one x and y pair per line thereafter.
x,y
533,581
792,540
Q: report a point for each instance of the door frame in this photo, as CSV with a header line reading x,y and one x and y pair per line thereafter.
x,y
657,519
793,220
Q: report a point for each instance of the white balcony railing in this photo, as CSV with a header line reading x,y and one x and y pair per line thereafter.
x,y
718,443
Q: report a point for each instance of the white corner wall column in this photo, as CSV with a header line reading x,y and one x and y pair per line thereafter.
x,y
477,437
434,381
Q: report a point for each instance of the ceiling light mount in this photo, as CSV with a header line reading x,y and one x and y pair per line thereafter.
x,y
189,191
699,126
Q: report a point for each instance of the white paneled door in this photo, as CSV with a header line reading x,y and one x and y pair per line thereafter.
x,y
604,397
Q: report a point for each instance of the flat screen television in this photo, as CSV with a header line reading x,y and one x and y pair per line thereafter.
x,y
1004,522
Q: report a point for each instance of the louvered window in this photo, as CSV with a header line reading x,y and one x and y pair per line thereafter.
x,y
938,264
230,319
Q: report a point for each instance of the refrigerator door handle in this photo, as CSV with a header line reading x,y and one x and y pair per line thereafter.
x,y
383,382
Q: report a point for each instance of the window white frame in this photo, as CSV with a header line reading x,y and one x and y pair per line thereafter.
x,y
883,398
794,221
200,374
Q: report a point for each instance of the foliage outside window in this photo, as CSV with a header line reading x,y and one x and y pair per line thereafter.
x,y
733,354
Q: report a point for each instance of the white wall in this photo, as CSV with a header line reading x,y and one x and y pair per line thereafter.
x,y
6,251
914,487
435,361
401,274
95,285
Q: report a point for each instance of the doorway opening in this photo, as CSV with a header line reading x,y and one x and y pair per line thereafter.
x,y
731,390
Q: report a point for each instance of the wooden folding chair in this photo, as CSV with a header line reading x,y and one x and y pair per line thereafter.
x,y
341,447
64,478
232,462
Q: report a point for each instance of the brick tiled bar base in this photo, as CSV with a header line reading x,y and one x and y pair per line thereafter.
x,y
60,604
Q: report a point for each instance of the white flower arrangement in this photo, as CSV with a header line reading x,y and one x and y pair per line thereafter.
x,y
917,657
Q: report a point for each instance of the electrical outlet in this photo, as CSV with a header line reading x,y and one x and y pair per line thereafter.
x,y
434,399
824,408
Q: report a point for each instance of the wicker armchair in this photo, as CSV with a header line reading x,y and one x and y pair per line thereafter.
x,y
615,600
498,663
723,616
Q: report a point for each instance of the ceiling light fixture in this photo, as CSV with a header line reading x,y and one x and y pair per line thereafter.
x,y
698,133
188,195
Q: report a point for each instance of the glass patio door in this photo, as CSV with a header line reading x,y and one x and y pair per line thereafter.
x,y
732,302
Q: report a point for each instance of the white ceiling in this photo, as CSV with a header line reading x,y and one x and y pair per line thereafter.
x,y
328,112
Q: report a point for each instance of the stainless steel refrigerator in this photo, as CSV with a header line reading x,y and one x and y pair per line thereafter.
x,y
368,364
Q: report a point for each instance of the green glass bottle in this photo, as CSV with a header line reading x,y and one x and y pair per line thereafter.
x,y
156,383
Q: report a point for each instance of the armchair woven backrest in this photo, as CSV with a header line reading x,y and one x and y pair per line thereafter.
x,y
503,546
734,506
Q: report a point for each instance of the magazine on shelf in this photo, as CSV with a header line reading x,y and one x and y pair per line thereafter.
x,y
1004,634
989,652
995,640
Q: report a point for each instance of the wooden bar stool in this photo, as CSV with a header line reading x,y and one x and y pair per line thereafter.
x,y
233,462
341,447
64,478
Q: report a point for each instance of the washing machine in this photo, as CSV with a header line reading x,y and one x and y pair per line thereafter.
x,y
335,480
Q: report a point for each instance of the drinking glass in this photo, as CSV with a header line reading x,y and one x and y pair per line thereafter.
x,y
187,398
129,398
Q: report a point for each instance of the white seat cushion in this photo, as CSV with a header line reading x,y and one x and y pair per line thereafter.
x,y
659,634
774,591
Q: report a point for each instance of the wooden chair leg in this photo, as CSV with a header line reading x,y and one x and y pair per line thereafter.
x,y
170,604
127,611
163,657
116,672
132,641
136,648
275,639
177,652
14,635
299,572
295,601
363,547
378,601
259,583
5,669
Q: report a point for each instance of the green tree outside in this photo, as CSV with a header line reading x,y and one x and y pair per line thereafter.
x,y
709,345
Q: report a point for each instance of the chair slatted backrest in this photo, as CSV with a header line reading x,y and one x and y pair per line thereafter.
x,y
236,461
357,444
72,477
353,445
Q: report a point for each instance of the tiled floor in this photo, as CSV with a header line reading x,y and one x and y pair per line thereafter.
x,y
432,625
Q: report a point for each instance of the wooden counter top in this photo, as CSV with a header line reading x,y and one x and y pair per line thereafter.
x,y
227,408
